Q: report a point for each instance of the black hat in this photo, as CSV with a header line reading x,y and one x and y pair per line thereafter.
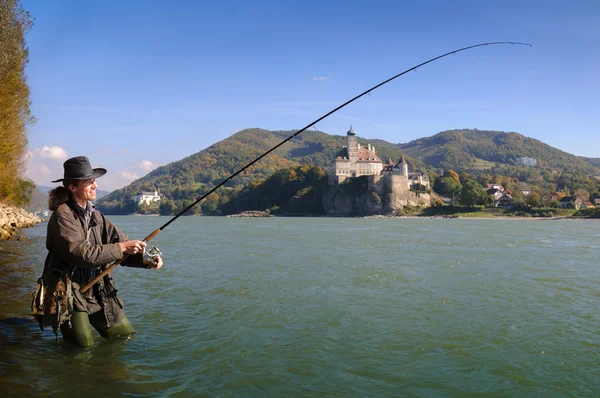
x,y
79,168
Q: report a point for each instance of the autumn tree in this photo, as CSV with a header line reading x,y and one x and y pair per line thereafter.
x,y
15,113
582,194
452,174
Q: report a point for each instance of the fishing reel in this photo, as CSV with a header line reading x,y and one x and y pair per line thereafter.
x,y
150,256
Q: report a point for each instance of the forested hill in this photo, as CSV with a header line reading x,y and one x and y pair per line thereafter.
x,y
465,149
593,161
188,178
461,150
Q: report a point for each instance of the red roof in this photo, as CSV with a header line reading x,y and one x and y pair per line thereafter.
x,y
364,155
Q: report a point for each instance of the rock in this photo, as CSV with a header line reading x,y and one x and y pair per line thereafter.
x,y
13,218
251,213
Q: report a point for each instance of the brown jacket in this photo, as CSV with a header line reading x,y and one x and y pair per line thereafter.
x,y
73,247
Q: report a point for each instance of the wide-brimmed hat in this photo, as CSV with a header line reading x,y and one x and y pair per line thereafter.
x,y
79,168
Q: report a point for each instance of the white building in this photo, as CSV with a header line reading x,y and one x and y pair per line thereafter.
x,y
523,161
147,197
355,160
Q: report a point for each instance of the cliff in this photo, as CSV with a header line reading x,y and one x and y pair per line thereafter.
x,y
371,195
13,218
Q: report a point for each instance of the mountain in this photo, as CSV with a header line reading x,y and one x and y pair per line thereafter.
x,y
39,201
476,149
593,161
472,151
190,177
44,189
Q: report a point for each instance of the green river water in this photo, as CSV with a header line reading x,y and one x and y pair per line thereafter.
x,y
327,307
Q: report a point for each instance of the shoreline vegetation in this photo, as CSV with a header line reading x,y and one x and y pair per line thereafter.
x,y
452,212
12,219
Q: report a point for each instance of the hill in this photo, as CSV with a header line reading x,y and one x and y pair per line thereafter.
x,y
593,161
472,151
186,179
462,150
39,201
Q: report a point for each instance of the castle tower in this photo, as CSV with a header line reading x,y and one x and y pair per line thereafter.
x,y
352,145
401,168
404,166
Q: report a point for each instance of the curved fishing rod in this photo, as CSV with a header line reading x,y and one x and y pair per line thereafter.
x,y
157,231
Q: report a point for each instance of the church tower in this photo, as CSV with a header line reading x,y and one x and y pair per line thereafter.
x,y
352,145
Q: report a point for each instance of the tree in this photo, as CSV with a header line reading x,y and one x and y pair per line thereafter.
x,y
582,194
472,193
533,200
448,186
166,207
518,198
452,174
15,113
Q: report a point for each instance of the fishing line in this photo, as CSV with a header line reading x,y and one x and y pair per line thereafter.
x,y
414,68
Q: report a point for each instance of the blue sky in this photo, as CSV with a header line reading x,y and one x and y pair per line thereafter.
x,y
137,84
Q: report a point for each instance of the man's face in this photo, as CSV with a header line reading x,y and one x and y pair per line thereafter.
x,y
85,190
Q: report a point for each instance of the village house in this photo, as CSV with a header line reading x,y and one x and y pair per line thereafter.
x,y
147,197
494,193
526,192
587,205
499,187
505,201
570,202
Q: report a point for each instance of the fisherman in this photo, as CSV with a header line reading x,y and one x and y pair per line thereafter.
x,y
81,242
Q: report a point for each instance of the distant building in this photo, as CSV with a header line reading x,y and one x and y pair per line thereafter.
x,y
391,186
526,192
505,201
147,197
495,186
523,161
355,161
570,202
494,193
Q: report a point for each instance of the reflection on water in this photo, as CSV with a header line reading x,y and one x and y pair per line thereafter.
x,y
335,307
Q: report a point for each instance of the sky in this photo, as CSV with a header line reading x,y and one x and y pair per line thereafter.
x,y
138,84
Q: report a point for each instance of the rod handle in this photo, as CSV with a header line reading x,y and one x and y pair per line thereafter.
x,y
91,283
152,235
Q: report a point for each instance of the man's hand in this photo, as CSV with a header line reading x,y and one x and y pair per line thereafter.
x,y
132,246
155,264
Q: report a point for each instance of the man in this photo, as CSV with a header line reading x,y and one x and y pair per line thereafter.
x,y
81,242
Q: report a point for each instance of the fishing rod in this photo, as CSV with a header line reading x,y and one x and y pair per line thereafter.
x,y
159,230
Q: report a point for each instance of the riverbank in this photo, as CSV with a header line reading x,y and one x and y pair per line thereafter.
x,y
14,218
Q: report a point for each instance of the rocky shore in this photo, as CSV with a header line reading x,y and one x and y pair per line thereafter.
x,y
14,218
251,213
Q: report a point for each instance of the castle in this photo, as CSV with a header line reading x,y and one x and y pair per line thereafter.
x,y
355,160
390,186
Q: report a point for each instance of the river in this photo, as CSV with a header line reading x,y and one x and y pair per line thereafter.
x,y
328,307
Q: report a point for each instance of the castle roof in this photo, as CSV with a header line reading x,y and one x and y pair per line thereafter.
x,y
389,162
342,155
363,156
400,163
351,131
